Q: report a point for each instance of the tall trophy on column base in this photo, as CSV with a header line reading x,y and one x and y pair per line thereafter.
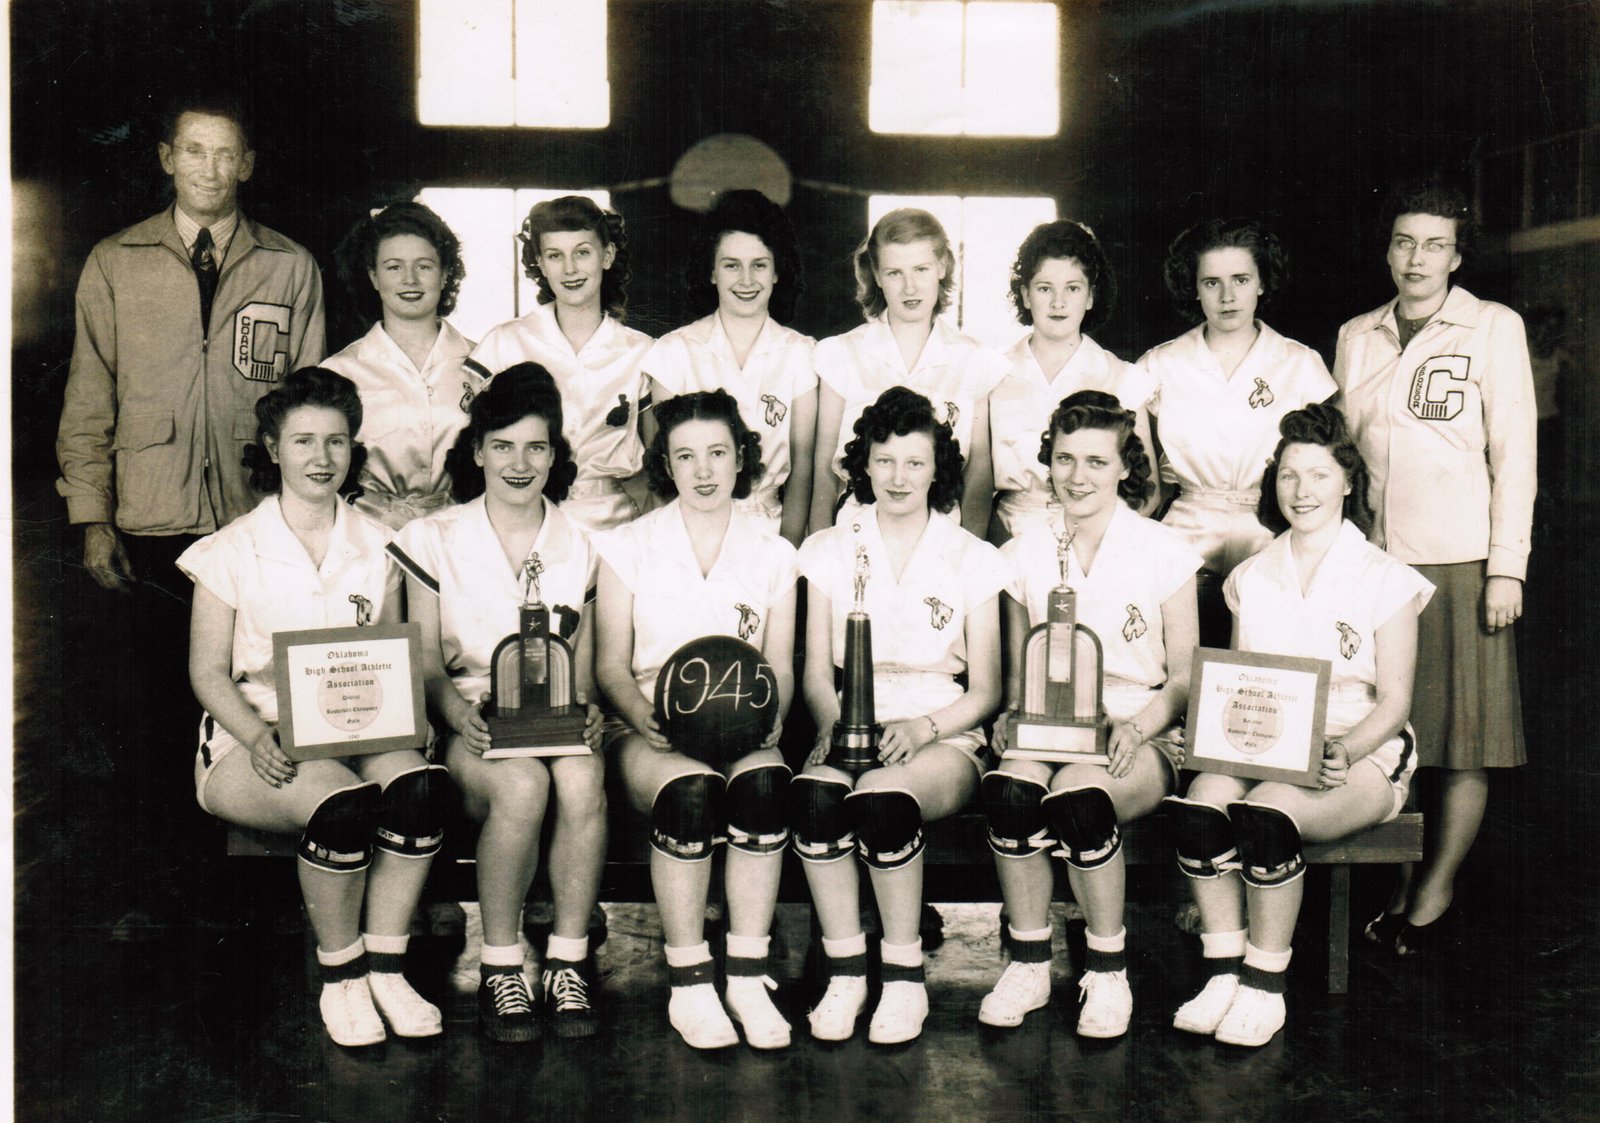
x,y
856,734
531,711
1063,719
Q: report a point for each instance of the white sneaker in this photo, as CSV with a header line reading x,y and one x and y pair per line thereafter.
x,y
1107,1004
406,1011
348,1013
834,1018
1252,1019
697,1014
900,1013
1204,1012
750,1002
1023,988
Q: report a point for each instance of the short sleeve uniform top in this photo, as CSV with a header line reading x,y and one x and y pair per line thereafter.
x,y
1020,409
954,372
778,370
1356,590
1139,566
257,567
673,602
456,555
410,419
919,641
601,385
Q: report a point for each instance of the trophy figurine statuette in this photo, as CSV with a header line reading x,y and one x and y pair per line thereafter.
x,y
1063,718
856,733
530,711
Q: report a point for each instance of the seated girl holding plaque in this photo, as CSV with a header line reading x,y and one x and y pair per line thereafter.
x,y
1322,591
369,825
931,591
1134,586
469,570
702,566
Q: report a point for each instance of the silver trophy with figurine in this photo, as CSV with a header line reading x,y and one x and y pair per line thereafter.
x,y
856,734
531,709
1062,719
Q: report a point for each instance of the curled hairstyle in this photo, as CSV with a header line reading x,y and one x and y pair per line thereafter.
x,y
1182,267
744,211
357,254
898,228
1319,424
1071,241
308,386
703,405
522,390
570,213
899,412
1435,196
1095,409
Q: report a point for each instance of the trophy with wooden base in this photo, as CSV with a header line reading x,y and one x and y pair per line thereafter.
x,y
1063,719
856,734
531,710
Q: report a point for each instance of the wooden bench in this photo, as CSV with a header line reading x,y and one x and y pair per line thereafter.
x,y
960,865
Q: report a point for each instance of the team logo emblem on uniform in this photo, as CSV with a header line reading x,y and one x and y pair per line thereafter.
x,y
567,620
261,341
617,415
749,620
1349,640
1134,626
363,609
1431,396
776,410
1261,397
466,397
941,612
951,413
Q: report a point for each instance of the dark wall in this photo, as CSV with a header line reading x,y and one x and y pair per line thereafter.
x,y
1297,112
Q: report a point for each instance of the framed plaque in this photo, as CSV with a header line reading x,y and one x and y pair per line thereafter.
x,y
350,691
1257,716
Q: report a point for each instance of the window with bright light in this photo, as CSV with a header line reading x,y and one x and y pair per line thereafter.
x,y
965,67
526,63
487,219
985,232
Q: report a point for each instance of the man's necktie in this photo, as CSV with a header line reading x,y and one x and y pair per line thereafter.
x,y
204,261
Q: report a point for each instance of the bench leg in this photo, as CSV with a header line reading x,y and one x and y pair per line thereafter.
x,y
1338,929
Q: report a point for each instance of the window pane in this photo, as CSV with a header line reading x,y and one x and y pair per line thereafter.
x,y
993,229
916,67
486,221
464,62
1012,73
561,64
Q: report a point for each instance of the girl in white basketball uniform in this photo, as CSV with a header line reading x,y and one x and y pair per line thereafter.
x,y
748,246
905,271
411,367
931,590
1322,591
578,256
1221,390
1061,285
701,566
468,572
1135,589
369,825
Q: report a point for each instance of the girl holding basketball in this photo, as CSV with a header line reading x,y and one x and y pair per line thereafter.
x,y
701,566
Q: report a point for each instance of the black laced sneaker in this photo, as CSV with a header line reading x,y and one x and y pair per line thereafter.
x,y
505,1008
567,997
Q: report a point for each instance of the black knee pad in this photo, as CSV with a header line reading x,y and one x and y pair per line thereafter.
x,y
686,818
411,812
339,836
822,830
1014,807
1204,838
1085,823
758,809
1269,845
889,824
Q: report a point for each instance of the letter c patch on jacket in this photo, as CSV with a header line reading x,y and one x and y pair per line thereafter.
x,y
261,341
